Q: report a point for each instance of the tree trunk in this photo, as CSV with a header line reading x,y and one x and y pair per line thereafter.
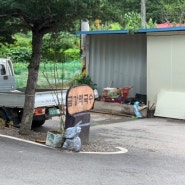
x,y
33,70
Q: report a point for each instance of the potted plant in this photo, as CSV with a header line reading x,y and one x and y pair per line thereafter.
x,y
85,79
55,138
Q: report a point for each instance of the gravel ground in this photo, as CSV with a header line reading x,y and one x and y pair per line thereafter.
x,y
96,144
97,141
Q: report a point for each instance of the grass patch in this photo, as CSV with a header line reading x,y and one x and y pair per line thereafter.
x,y
57,73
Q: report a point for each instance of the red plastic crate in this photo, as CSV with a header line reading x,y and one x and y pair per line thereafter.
x,y
124,95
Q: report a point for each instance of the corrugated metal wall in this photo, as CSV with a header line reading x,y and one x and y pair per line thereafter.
x,y
117,60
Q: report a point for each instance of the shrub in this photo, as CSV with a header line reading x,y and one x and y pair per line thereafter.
x,y
83,79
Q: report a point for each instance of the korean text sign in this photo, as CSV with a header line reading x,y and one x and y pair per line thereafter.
x,y
80,99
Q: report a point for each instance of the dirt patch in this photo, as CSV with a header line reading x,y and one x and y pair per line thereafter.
x,y
97,142
94,145
14,132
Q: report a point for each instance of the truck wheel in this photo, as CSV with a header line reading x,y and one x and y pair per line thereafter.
x,y
3,118
38,123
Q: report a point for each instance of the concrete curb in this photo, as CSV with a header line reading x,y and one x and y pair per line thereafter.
x,y
121,150
116,108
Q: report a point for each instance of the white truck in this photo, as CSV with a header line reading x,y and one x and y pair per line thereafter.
x,y
12,100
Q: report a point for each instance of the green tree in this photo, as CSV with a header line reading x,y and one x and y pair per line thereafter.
x,y
132,21
55,46
159,10
166,10
42,17
20,50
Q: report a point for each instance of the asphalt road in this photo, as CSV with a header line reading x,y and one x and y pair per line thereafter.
x,y
156,156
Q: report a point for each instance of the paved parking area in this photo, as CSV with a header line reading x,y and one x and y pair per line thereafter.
x,y
155,155
101,118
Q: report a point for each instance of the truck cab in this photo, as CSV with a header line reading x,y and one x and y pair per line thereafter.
x,y
12,100
7,77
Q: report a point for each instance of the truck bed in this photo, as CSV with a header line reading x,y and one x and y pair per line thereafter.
x,y
46,98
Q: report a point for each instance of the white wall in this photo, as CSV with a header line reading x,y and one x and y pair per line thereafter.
x,y
165,63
